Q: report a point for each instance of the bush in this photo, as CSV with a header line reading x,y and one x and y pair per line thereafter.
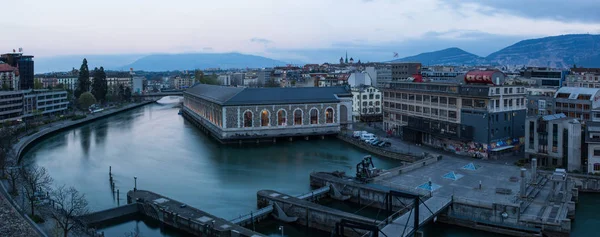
x,y
36,219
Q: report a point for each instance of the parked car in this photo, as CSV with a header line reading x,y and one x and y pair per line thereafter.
x,y
367,136
357,134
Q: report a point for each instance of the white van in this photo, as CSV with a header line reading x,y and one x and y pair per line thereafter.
x,y
367,136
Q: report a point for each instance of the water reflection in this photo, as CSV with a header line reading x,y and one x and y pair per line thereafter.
x,y
85,134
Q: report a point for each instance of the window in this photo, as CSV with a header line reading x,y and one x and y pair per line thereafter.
x,y
376,97
364,103
329,115
298,117
314,116
452,114
596,166
370,103
377,110
264,118
247,119
281,117
377,103
364,97
596,153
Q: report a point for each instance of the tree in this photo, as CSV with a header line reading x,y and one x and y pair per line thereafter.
x,y
36,180
83,81
86,100
8,136
99,85
60,86
272,83
199,75
37,84
13,175
5,86
69,205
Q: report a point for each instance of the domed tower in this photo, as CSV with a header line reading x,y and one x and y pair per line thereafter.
x,y
341,60
351,60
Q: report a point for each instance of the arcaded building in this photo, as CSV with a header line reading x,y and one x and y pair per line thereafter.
x,y
236,114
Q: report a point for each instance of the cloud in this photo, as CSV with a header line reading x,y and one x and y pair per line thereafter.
x,y
560,10
261,41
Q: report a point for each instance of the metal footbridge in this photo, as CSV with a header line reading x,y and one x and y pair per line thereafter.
x,y
263,213
403,225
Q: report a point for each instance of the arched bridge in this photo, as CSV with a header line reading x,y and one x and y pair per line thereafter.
x,y
154,96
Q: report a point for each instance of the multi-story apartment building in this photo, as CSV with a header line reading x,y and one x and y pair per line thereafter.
x,y
555,140
577,102
11,105
591,160
26,103
9,77
44,102
180,83
583,77
24,64
479,119
544,76
402,71
384,75
68,82
540,101
366,103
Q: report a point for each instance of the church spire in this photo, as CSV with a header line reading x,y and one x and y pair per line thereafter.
x,y
346,57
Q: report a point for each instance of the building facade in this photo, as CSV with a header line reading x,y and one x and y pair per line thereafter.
x,y
591,160
555,140
180,83
235,114
576,102
540,101
402,71
24,64
583,77
543,76
367,104
9,77
480,120
69,82
11,105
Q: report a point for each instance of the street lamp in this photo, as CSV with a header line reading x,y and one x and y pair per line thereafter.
x,y
134,183
281,229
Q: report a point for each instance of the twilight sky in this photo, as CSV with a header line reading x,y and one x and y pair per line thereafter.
x,y
307,30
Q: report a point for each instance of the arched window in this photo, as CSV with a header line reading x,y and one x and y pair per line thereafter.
x,y
281,118
247,119
298,117
314,116
329,115
264,118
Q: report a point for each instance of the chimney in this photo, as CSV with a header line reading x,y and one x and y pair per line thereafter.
x,y
534,171
523,183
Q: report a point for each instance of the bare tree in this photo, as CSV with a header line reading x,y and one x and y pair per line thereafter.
x,y
13,176
36,180
69,205
8,136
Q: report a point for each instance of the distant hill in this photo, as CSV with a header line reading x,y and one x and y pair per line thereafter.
x,y
556,51
449,56
167,62
66,63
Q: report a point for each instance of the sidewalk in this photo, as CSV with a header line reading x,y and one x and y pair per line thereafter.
x,y
399,145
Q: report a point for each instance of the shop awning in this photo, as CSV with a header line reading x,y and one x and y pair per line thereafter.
x,y
502,148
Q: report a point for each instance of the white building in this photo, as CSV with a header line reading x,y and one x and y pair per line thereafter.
x,y
138,85
366,103
69,82
555,140
359,78
225,80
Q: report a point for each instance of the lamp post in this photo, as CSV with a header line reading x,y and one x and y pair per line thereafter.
x,y
281,229
134,183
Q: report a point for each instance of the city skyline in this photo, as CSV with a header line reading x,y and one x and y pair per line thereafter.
x,y
308,31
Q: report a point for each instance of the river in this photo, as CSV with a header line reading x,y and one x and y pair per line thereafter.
x,y
170,156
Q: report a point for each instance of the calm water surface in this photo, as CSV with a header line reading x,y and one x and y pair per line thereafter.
x,y
172,157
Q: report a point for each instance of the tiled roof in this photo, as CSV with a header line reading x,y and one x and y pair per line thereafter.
x,y
4,67
267,96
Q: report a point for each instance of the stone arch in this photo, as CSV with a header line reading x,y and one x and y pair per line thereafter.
x,y
343,114
298,116
281,117
329,115
314,115
265,118
247,119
